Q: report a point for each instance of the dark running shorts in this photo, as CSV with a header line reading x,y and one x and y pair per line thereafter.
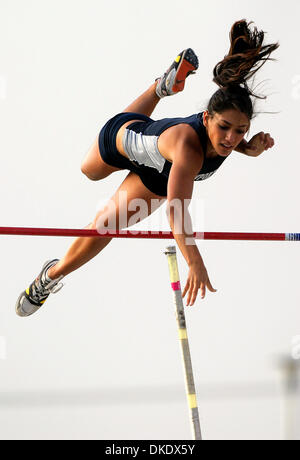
x,y
151,178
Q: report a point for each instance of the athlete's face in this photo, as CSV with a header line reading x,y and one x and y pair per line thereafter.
x,y
226,130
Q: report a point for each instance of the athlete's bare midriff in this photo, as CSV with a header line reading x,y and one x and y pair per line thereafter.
x,y
120,134
165,141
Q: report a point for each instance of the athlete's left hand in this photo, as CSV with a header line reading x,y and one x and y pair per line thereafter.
x,y
257,145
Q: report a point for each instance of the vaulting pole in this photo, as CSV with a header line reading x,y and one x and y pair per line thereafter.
x,y
184,343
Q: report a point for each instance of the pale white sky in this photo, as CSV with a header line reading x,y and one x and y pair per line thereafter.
x,y
65,68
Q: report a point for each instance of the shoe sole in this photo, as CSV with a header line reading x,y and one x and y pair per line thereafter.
x,y
188,65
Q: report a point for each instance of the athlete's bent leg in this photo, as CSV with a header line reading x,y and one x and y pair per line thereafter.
x,y
170,83
85,248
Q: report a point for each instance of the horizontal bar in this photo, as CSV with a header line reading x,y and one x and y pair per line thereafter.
x,y
147,234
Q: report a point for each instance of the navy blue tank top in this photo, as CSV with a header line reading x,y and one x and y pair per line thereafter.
x,y
156,128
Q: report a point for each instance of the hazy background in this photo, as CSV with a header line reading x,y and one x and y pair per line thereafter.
x,y
102,360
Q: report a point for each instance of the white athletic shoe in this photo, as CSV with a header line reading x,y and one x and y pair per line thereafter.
x,y
35,296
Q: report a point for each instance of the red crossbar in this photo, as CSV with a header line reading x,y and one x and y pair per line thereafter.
x,y
144,234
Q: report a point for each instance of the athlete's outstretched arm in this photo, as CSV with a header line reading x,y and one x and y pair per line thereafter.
x,y
186,165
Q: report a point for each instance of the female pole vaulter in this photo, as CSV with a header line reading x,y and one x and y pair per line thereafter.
x,y
165,157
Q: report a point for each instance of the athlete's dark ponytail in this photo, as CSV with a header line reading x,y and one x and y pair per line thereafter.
x,y
246,56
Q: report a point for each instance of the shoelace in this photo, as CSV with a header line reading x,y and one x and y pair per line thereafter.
x,y
41,290
56,285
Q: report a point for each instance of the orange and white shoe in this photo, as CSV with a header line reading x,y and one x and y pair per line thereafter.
x,y
173,80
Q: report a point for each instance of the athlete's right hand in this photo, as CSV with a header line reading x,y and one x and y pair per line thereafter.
x,y
197,279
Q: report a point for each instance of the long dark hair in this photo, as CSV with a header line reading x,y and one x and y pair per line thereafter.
x,y
246,56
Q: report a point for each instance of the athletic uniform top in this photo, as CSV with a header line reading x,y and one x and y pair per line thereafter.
x,y
140,142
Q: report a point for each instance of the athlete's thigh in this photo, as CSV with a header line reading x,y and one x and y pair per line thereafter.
x,y
93,166
131,203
